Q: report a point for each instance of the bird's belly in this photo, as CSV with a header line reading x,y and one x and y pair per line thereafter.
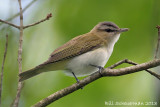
x,y
81,65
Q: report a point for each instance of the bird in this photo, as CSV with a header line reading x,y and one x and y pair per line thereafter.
x,y
82,55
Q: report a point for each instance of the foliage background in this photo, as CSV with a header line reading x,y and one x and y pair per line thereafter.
x,y
72,18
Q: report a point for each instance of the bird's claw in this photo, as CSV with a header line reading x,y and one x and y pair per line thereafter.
x,y
99,67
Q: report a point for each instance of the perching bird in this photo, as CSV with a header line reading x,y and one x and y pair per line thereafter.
x,y
83,54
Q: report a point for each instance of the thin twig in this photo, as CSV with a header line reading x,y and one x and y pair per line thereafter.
x,y
4,58
133,63
158,27
149,71
117,64
20,84
105,72
16,15
11,24
46,18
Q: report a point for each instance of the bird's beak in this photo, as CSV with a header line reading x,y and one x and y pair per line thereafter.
x,y
123,29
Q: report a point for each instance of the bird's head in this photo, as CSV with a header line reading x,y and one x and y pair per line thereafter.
x,y
108,30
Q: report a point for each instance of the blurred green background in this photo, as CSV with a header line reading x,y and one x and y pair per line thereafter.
x,y
72,18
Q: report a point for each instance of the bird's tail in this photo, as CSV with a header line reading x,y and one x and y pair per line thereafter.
x,y
44,67
30,73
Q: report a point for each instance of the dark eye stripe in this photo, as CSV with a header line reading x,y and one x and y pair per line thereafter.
x,y
109,30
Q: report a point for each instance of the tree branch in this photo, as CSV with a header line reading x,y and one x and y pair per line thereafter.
x,y
21,28
46,18
11,24
20,84
158,27
16,15
105,72
4,58
133,63
18,27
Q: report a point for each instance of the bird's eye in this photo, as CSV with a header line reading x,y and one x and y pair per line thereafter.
x,y
109,30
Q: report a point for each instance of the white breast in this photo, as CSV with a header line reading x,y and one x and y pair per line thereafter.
x,y
80,65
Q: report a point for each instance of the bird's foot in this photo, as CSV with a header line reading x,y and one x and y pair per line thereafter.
x,y
99,67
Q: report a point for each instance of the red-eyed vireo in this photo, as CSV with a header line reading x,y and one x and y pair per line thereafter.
x,y
83,54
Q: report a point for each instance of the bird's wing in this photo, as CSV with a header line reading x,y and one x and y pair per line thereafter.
x,y
74,47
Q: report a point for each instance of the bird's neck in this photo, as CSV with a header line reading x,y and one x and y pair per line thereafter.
x,y
111,41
